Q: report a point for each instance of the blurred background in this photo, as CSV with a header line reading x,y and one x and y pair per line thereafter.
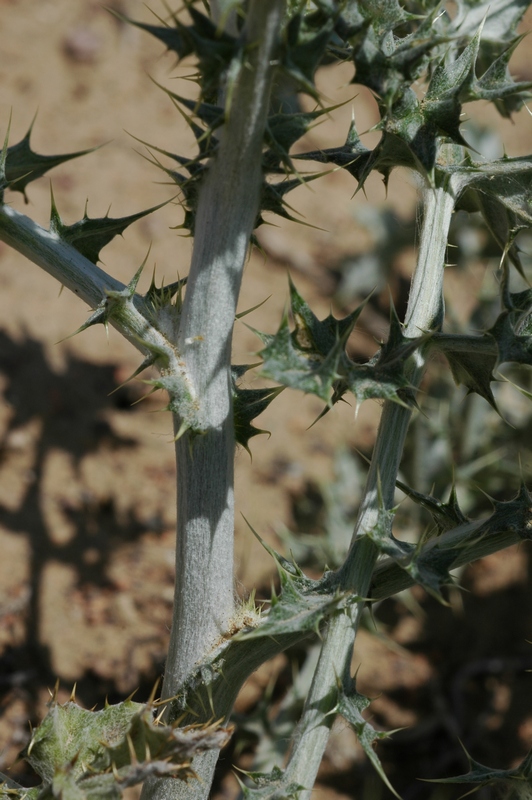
x,y
87,494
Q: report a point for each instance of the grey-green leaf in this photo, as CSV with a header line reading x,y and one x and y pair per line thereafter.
x,y
23,165
90,236
351,704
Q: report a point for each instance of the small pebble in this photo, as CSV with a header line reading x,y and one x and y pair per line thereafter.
x,y
82,45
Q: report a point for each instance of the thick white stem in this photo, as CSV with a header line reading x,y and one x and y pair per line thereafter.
x,y
226,216
225,219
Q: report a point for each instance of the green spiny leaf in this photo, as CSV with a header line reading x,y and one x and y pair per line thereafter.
x,y
383,15
352,156
129,291
512,346
271,786
502,191
520,301
398,347
374,68
159,296
149,361
312,347
211,115
385,63
302,605
428,568
171,37
501,222
408,139
90,236
441,105
23,165
432,570
206,142
272,197
453,76
320,336
3,161
283,130
299,368
498,86
446,515
430,564
85,755
351,704
189,186
480,775
313,357
215,49
302,52
514,514
472,360
100,316
248,404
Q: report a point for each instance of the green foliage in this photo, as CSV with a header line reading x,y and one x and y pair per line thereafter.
x,y
271,786
82,755
350,706
511,781
313,357
303,604
90,236
473,359
389,64
213,47
248,404
20,165
393,48
500,190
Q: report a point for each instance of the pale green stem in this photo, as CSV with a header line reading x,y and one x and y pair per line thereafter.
x,y
424,313
132,317
90,283
55,256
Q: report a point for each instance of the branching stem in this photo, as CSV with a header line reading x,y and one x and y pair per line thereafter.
x,y
55,256
424,313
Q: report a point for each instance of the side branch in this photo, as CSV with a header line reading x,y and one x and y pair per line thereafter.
x,y
89,282
56,257
211,690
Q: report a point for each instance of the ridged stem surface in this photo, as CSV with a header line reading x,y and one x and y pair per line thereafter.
x,y
424,313
226,216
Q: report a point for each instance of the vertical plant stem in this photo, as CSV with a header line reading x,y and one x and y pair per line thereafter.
x,y
226,216
424,313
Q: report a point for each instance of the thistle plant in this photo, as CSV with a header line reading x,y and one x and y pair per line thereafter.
x,y
254,60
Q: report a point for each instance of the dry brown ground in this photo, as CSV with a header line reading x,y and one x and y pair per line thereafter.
x,y
87,480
